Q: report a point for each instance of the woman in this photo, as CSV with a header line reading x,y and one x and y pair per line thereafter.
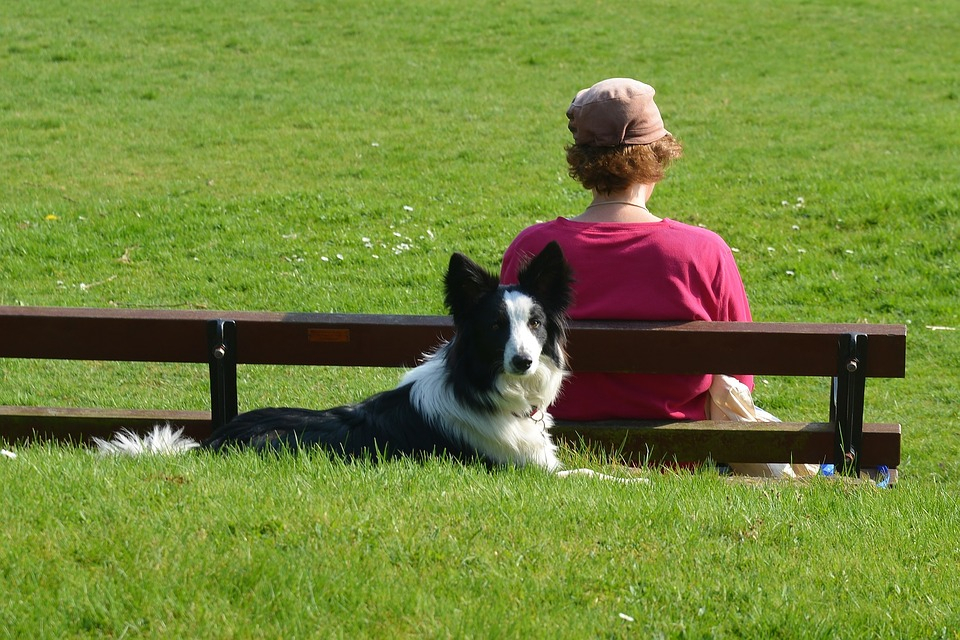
x,y
628,262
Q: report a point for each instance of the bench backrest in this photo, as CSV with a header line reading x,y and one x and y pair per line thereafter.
x,y
399,340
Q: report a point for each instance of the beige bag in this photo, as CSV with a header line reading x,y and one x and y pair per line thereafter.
x,y
730,400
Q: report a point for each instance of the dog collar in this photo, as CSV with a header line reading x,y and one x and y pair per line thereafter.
x,y
534,414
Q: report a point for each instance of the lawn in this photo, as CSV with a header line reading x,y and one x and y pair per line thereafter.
x,y
329,156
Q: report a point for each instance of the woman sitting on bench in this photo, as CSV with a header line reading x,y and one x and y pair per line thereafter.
x,y
628,263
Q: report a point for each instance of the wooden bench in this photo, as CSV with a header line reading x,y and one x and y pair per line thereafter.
x,y
846,353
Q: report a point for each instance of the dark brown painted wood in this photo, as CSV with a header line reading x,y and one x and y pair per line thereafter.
x,y
634,441
799,442
399,340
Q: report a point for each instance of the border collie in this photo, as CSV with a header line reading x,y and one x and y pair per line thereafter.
x,y
481,396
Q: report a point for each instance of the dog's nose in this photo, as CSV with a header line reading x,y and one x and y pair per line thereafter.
x,y
521,363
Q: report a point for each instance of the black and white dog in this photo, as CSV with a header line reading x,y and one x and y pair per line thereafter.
x,y
482,396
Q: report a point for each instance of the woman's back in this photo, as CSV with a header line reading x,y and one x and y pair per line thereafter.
x,y
638,271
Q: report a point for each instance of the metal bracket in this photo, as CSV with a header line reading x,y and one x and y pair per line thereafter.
x,y
222,354
846,402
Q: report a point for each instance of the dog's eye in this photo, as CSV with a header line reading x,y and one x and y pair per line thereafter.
x,y
534,323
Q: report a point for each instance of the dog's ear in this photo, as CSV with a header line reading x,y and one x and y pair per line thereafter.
x,y
549,278
466,283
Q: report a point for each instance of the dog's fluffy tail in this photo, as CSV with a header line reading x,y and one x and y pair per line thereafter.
x,y
162,440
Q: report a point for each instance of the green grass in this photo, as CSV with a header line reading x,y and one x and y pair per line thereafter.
x,y
323,156
247,546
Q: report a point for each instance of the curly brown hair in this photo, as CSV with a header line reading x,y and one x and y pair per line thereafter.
x,y
610,169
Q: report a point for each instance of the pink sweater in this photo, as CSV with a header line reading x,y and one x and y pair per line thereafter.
x,y
665,270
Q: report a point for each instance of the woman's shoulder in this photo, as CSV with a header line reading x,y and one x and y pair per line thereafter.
x,y
539,233
684,232
543,226
690,229
528,243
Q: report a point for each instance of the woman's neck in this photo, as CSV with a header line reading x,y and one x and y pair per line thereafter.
x,y
629,205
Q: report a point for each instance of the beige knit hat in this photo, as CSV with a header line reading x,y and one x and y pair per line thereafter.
x,y
615,112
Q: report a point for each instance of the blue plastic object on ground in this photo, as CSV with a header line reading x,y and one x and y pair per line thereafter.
x,y
882,480
883,476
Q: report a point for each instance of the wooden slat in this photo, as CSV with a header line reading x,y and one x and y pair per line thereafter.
x,y
636,441
78,425
799,442
395,340
103,334
181,336
730,347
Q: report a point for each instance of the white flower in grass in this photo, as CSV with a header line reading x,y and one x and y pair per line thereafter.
x,y
790,273
8,454
407,207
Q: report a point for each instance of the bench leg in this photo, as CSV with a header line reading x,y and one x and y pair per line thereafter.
x,y
846,402
222,351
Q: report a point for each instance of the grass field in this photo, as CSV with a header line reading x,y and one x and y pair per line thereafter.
x,y
329,156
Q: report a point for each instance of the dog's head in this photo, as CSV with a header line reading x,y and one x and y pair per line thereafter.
x,y
511,328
